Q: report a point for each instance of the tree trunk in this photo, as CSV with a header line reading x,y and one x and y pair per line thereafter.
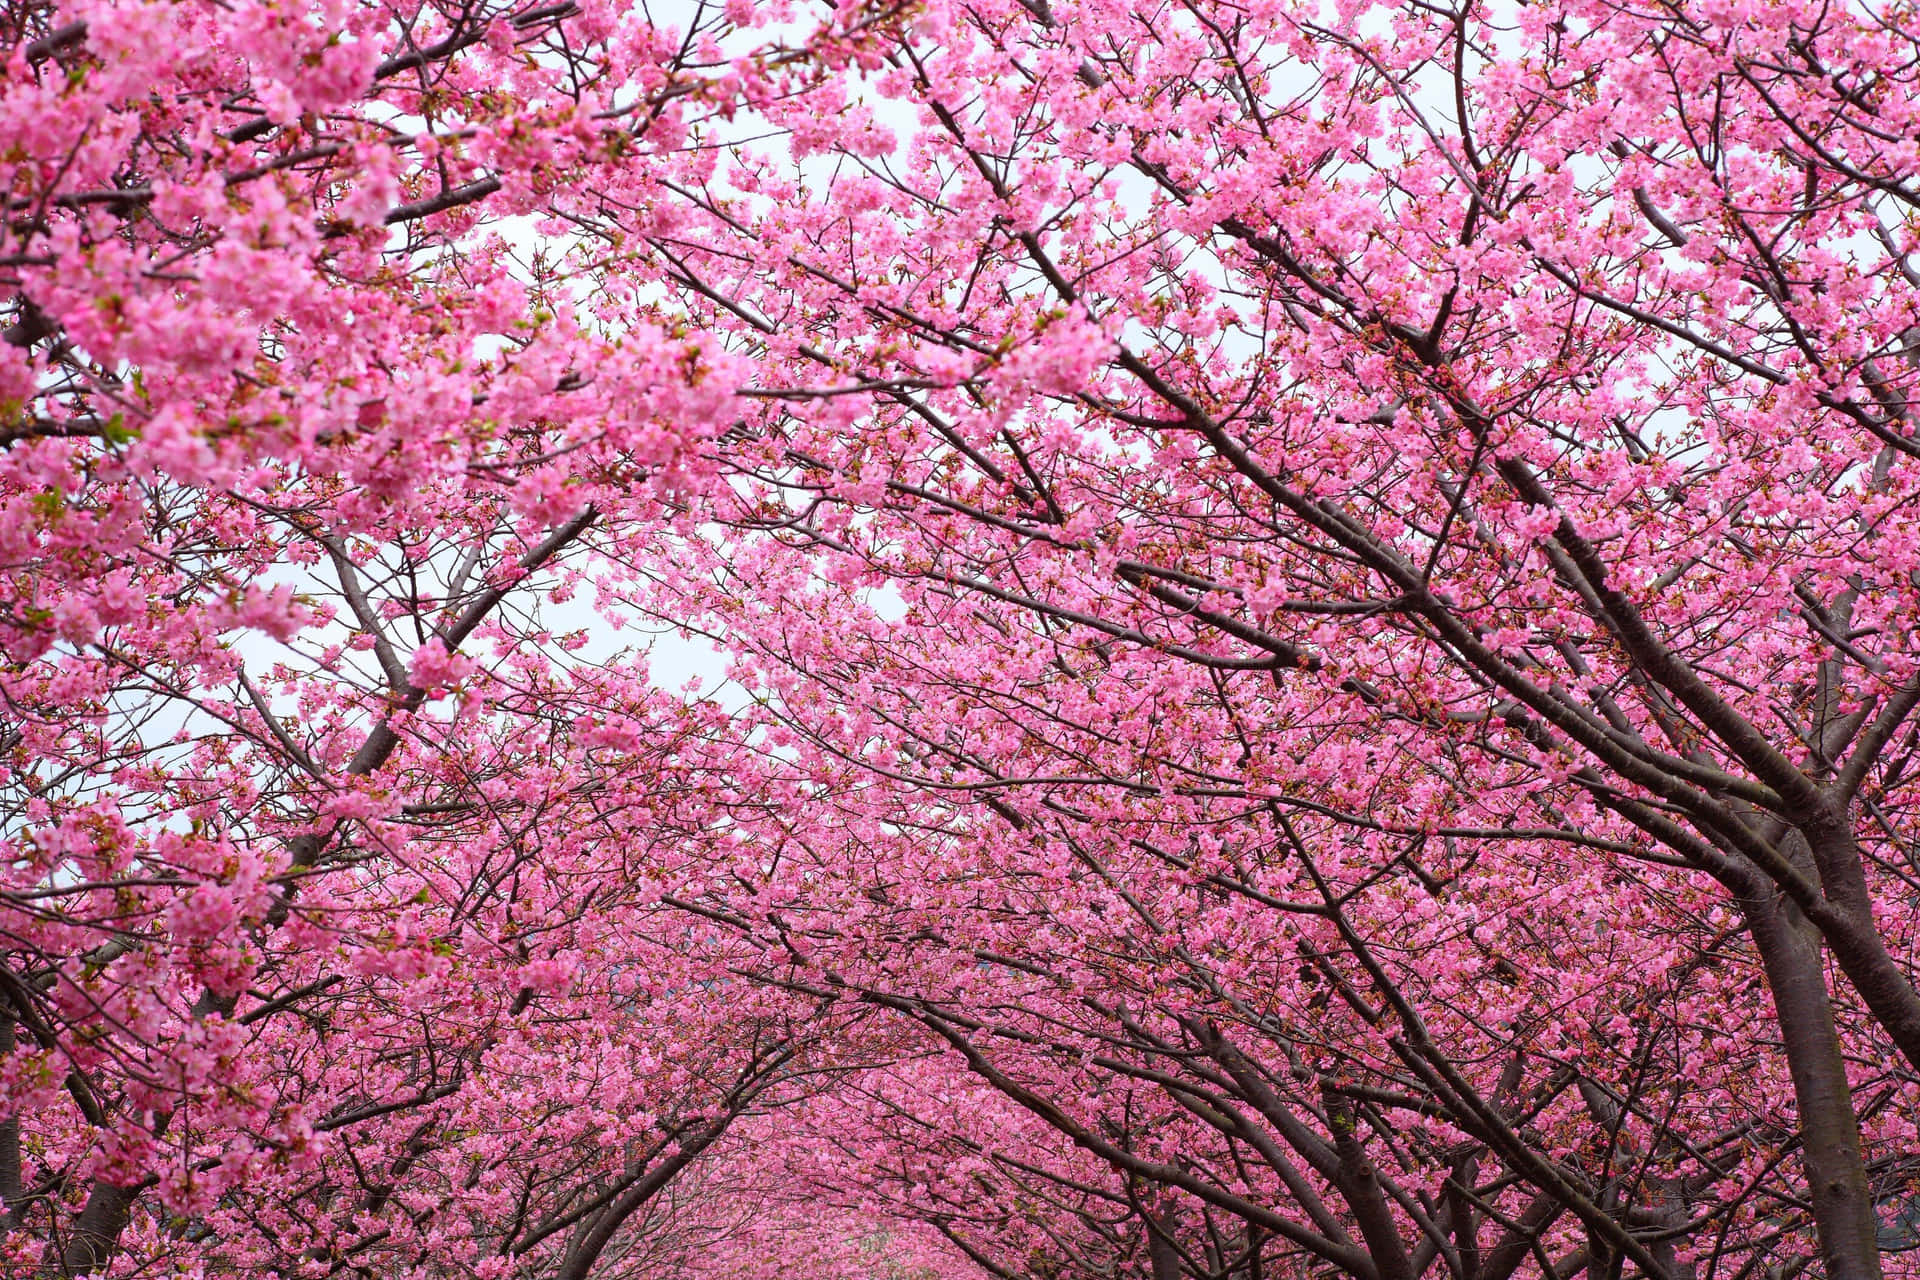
x,y
1830,1133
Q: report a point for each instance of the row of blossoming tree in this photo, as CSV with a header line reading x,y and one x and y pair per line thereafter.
x,y
1319,602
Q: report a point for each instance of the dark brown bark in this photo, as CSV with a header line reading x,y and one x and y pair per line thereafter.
x,y
1360,1186
11,1178
1163,1253
1837,1182
93,1235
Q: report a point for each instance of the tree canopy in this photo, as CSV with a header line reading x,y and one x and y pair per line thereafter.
x,y
1319,604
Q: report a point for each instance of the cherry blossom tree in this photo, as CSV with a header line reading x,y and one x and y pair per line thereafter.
x,y
1383,521
332,937
1325,595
